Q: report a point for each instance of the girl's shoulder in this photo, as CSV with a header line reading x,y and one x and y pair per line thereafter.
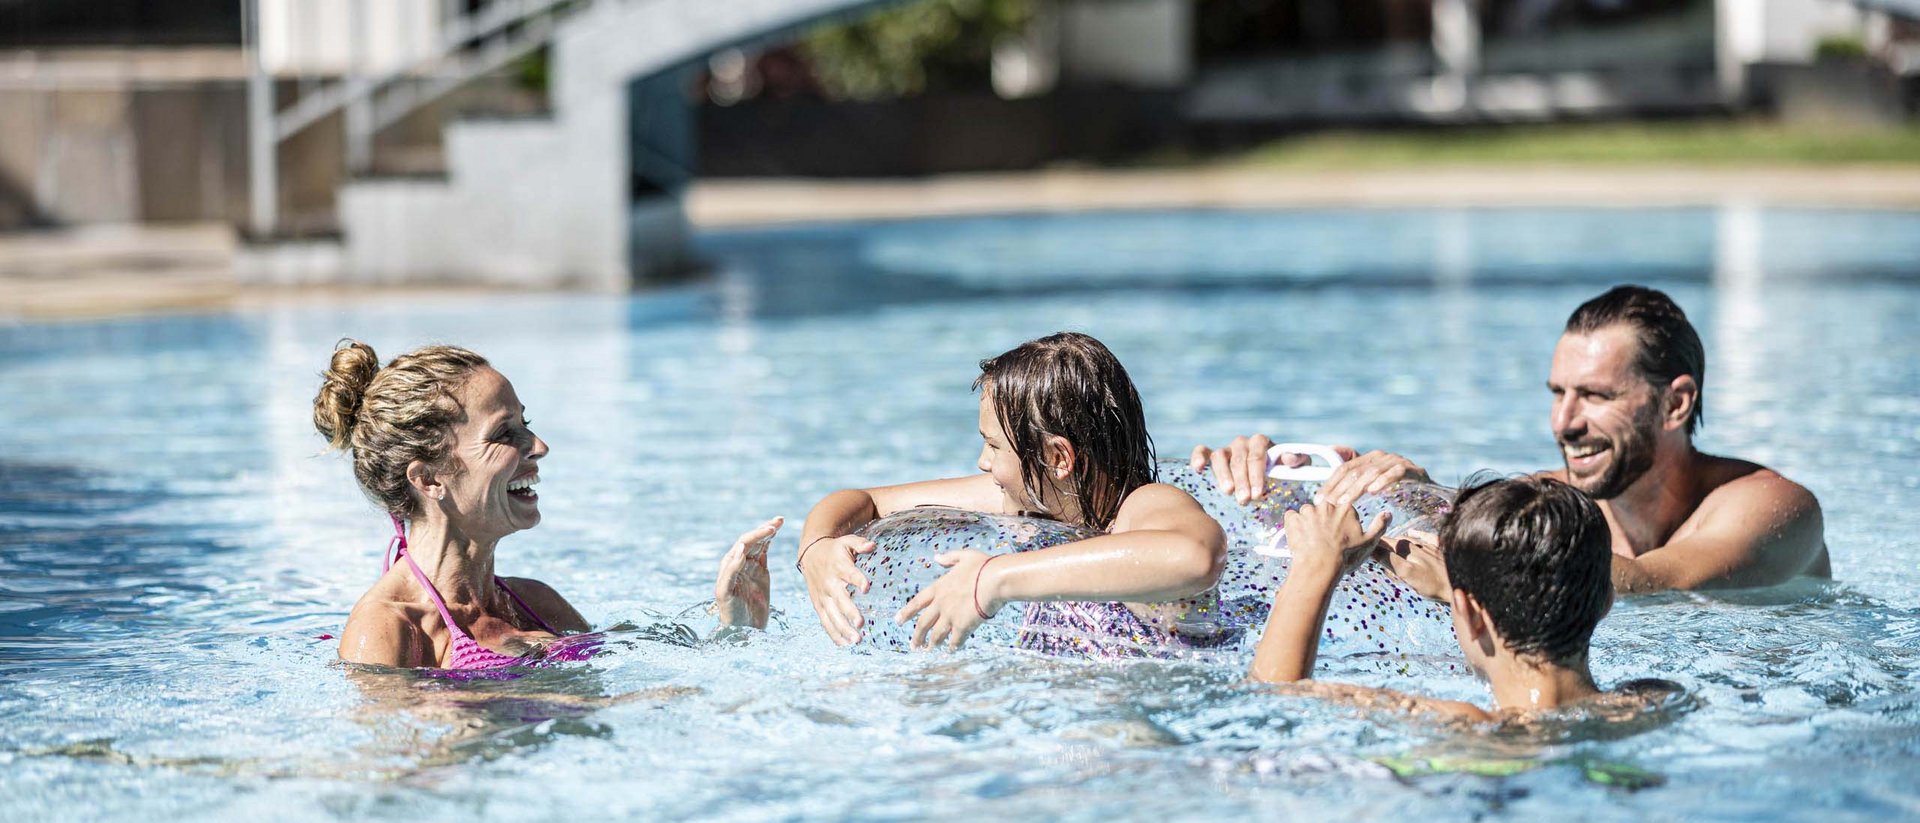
x,y
1158,494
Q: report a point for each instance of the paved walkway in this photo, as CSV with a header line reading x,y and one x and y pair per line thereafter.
x,y
108,271
749,202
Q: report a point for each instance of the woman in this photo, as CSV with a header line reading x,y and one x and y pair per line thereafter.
x,y
441,442
1064,437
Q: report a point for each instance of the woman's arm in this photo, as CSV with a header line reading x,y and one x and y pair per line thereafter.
x,y
1163,547
827,546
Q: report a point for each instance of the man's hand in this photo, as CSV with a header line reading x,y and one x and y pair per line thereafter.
x,y
950,609
1240,467
741,592
1370,473
1328,537
827,564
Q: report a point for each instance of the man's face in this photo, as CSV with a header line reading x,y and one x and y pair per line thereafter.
x,y
1605,415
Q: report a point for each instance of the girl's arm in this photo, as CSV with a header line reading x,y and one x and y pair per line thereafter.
x,y
1163,547
827,546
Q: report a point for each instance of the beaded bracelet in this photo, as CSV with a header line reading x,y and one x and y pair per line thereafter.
x,y
803,551
976,587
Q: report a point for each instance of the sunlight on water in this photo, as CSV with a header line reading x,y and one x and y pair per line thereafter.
x,y
175,551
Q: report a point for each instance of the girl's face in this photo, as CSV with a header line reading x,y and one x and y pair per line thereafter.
x,y
998,460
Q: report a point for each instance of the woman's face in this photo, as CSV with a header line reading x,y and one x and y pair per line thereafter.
x,y
489,490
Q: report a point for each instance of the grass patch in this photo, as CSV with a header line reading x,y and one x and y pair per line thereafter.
x,y
1728,143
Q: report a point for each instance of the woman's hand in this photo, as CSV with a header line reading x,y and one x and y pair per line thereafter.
x,y
827,564
742,592
951,608
1328,537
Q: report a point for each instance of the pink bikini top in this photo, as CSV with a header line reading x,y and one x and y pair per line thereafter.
x,y
467,653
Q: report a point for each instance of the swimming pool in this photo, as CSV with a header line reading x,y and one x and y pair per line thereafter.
x,y
173,545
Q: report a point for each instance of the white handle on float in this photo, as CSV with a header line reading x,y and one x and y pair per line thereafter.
x,y
1309,473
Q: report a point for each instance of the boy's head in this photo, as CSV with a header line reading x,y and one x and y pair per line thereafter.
x,y
1066,411
1531,559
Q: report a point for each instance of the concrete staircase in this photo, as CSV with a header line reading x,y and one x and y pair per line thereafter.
x,y
545,202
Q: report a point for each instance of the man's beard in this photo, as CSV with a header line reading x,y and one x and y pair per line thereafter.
x,y
1632,457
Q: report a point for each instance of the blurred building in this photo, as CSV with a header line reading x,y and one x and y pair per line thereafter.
x,y
549,141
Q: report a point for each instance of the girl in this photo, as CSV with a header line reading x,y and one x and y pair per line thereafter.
x,y
1063,437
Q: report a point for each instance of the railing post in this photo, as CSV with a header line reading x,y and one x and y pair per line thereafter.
x,y
359,113
263,185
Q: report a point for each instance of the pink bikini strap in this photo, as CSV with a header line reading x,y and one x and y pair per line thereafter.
x,y
395,546
435,594
524,607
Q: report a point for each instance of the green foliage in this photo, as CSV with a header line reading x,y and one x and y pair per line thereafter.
x,y
931,45
1840,47
1702,143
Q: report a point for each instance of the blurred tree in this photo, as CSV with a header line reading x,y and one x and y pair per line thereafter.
x,y
935,45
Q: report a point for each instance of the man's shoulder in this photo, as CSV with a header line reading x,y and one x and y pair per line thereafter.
x,y
1731,481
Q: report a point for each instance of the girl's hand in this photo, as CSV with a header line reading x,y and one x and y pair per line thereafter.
x,y
1329,536
741,592
951,608
831,575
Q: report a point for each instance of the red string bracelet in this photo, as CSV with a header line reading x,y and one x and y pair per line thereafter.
x,y
803,551
976,587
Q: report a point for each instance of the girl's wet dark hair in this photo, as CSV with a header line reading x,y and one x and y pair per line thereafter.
x,y
1537,555
1070,386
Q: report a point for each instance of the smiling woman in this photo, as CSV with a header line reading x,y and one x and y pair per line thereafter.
x,y
440,441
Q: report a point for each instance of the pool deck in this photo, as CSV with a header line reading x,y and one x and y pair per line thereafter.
x,y
122,270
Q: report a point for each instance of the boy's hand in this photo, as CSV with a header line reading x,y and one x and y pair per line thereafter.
x,y
1328,536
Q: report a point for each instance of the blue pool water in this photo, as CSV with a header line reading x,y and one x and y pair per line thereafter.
x,y
173,544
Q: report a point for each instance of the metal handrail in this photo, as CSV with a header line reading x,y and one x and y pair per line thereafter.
x,y
456,34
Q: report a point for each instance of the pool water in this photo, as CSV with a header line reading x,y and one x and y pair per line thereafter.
x,y
176,550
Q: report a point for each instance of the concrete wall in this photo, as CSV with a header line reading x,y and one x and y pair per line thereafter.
x,y
1139,43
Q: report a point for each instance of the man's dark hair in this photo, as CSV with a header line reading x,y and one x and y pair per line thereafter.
x,y
1069,385
1669,347
1537,555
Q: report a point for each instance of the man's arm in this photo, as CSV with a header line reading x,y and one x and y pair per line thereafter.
x,y
1758,530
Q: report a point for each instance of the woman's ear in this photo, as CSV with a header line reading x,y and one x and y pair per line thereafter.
x,y
1059,456
424,481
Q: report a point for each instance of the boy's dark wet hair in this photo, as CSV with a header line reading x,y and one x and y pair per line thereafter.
x,y
1668,345
1070,386
1537,555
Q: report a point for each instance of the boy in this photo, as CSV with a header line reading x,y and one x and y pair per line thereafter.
x,y
1529,560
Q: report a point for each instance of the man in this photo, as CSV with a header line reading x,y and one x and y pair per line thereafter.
x,y
1626,382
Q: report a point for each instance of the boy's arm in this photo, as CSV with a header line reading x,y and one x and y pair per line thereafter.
x,y
1367,697
1326,541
